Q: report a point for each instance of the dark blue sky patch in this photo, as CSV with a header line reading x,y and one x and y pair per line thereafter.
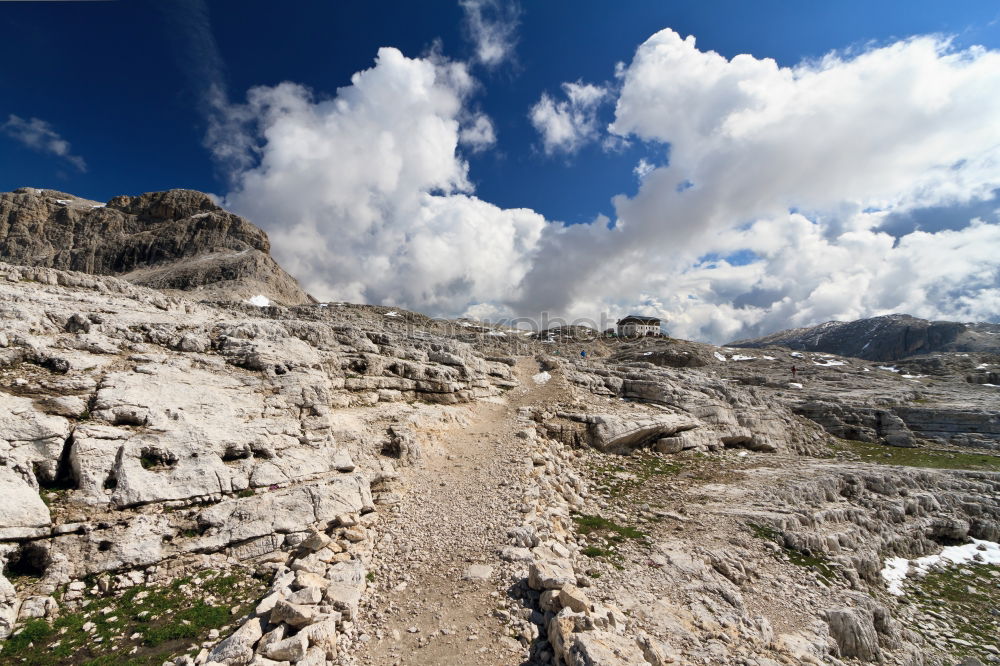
x,y
124,82
941,218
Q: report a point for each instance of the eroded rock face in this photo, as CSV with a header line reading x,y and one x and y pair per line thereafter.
x,y
172,428
688,411
179,239
165,434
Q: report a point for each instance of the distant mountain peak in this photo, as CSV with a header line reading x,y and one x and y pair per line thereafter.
x,y
884,338
172,240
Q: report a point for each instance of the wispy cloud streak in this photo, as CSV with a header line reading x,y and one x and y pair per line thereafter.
x,y
38,135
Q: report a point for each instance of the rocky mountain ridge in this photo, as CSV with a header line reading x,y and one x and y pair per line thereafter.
x,y
886,338
177,240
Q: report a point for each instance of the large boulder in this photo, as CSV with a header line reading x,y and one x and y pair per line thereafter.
x,y
854,631
22,511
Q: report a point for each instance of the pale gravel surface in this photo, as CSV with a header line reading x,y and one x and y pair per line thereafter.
x,y
455,512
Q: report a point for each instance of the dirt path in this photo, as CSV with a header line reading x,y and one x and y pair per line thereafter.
x,y
455,513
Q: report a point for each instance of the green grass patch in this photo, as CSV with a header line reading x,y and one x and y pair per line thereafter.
x,y
594,551
968,595
817,563
586,524
53,496
765,532
164,619
624,474
919,457
34,631
612,534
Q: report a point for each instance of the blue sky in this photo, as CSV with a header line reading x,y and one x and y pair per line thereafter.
x,y
106,98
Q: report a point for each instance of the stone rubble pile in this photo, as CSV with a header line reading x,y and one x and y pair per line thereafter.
x,y
308,615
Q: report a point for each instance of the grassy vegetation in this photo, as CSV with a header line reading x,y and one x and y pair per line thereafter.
x,y
610,534
164,620
586,524
594,551
765,532
919,457
968,595
820,565
624,474
53,496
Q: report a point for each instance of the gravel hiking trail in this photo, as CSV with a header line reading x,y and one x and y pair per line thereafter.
x,y
441,582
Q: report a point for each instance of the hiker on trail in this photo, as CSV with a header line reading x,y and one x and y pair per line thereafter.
x,y
793,372
583,354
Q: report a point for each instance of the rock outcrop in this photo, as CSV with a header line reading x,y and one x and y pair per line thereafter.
x,y
120,402
338,484
176,240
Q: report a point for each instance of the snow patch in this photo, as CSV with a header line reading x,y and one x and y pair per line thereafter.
x,y
740,357
769,358
890,368
796,354
896,568
720,356
829,363
64,202
794,385
541,377
259,300
97,206
391,314
894,573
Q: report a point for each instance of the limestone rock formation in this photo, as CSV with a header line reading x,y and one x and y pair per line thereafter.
x,y
176,240
344,484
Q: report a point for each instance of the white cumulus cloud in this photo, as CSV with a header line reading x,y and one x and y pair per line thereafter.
x,y
365,195
492,27
38,135
891,129
766,211
568,124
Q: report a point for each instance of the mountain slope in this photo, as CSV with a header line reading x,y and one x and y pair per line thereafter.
x,y
174,240
885,338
